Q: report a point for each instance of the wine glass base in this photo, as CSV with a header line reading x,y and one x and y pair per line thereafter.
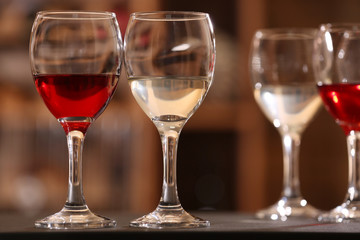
x,y
287,208
161,218
346,212
74,219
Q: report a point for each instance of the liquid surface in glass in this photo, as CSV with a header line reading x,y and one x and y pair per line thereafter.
x,y
76,95
343,102
169,98
288,106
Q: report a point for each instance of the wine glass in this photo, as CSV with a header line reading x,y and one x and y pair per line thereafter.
x,y
283,83
337,59
169,60
75,59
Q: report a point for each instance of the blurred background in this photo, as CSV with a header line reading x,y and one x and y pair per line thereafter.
x,y
230,156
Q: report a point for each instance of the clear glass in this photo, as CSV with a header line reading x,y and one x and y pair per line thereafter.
x,y
75,60
169,60
337,59
283,83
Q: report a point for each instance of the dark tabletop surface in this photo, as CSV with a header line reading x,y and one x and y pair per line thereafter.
x,y
224,225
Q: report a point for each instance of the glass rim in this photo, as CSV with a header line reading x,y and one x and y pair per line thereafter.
x,y
309,32
286,29
169,15
75,14
340,26
336,24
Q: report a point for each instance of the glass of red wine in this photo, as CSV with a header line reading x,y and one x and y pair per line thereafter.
x,y
336,61
75,60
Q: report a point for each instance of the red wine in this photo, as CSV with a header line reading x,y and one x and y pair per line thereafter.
x,y
343,102
76,95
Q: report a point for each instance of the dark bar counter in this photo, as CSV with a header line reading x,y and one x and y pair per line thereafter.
x,y
224,225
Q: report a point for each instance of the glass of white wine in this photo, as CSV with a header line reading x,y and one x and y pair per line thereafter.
x,y
283,82
169,59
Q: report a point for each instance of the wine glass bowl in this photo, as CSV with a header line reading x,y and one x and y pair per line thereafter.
x,y
169,59
75,58
283,83
337,58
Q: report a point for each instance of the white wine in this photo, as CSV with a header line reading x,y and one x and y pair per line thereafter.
x,y
289,107
169,99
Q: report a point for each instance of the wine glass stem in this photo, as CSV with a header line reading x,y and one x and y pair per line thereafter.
x,y
353,145
75,140
291,146
169,198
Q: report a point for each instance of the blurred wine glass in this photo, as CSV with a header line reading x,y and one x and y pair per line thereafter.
x,y
337,59
283,82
